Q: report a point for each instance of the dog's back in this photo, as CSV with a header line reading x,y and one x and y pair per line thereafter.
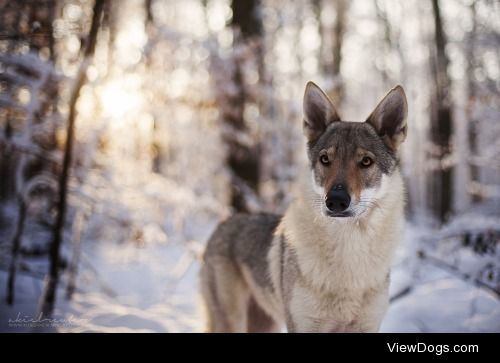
x,y
233,273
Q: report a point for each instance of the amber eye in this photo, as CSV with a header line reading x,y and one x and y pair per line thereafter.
x,y
366,161
324,159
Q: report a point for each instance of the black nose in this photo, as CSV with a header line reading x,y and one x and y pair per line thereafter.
x,y
338,199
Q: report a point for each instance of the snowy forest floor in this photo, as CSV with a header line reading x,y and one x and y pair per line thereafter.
x,y
154,289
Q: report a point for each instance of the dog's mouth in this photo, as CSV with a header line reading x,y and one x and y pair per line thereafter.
x,y
338,214
349,213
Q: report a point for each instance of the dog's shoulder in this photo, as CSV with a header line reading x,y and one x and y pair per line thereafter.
x,y
243,236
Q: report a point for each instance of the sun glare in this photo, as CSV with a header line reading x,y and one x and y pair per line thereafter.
x,y
119,98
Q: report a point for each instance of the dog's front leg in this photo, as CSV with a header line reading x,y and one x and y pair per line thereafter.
x,y
310,312
373,311
301,324
301,311
310,324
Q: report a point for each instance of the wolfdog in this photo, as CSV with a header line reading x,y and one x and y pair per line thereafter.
x,y
324,265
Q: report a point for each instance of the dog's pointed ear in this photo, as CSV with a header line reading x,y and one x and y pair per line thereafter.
x,y
319,112
389,118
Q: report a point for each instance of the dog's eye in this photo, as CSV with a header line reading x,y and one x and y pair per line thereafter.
x,y
366,161
324,159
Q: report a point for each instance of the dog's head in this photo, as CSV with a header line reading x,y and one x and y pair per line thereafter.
x,y
351,161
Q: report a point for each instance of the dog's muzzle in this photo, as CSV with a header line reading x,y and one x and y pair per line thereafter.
x,y
337,201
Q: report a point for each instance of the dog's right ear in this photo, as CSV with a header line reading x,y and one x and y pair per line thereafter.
x,y
319,112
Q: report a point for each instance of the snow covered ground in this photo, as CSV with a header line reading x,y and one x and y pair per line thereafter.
x,y
120,289
438,300
124,288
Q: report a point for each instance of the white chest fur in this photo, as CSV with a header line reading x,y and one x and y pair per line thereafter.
x,y
347,254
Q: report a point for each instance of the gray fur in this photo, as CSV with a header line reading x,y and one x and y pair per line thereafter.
x,y
358,134
250,237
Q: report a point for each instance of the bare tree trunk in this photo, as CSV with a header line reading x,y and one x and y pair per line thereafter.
x,y
80,220
16,244
318,8
441,183
149,11
16,166
332,39
8,159
110,22
156,150
472,122
338,40
49,295
243,159
246,18
387,44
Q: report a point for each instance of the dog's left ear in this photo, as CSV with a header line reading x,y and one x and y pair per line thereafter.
x,y
389,118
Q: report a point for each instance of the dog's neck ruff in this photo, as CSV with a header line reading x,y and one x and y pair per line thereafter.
x,y
347,253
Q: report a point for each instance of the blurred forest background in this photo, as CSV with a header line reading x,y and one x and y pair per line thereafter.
x,y
129,128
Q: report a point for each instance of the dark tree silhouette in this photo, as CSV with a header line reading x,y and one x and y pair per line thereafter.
x,y
50,289
25,24
332,40
472,96
440,181
243,159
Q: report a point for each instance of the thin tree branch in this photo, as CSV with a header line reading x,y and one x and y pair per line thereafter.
x,y
49,296
456,272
